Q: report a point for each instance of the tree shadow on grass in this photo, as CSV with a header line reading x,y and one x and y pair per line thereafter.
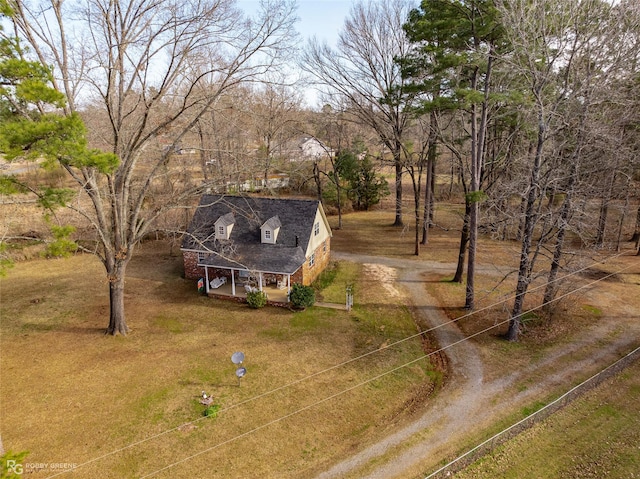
x,y
61,328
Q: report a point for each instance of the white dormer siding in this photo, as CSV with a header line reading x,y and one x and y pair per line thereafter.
x,y
223,226
319,233
270,229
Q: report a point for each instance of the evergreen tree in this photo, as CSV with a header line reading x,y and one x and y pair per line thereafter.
x,y
365,187
455,47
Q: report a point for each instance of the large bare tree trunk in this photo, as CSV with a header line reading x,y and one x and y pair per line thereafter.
x,y
530,220
416,209
116,266
338,199
602,221
430,183
623,216
552,286
117,321
636,231
398,167
416,249
471,256
464,241
478,133
607,196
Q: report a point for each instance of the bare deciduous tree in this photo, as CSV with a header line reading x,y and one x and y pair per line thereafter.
x,y
362,70
275,117
152,69
564,53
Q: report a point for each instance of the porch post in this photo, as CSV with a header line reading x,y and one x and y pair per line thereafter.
x,y
233,282
206,279
260,280
288,286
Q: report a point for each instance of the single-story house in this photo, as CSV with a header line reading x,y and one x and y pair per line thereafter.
x,y
241,243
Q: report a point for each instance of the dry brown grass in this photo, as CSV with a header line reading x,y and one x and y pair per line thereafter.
x,y
70,394
609,300
373,233
495,282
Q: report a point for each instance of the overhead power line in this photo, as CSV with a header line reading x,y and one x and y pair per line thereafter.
x,y
374,378
349,361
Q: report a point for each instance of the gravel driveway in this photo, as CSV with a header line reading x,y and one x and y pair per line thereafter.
x,y
468,402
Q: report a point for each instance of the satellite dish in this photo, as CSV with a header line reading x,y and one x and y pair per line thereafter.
x,y
240,372
237,358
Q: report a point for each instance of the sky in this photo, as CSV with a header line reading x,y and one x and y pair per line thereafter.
x,y
320,18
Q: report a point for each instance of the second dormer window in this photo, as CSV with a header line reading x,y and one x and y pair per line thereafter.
x,y
270,229
223,226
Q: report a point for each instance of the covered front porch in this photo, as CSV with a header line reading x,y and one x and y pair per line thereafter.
x,y
225,282
274,295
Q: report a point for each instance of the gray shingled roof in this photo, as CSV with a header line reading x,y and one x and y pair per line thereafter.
x,y
273,223
227,219
244,248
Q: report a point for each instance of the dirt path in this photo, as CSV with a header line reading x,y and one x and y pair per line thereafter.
x,y
469,402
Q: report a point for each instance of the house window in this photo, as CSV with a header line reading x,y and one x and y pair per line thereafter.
x,y
316,229
201,256
324,247
267,234
312,260
221,232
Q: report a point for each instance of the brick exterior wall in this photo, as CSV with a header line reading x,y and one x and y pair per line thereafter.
x,y
191,268
297,277
321,262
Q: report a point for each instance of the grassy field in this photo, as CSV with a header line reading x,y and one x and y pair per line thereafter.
x,y
127,407
594,437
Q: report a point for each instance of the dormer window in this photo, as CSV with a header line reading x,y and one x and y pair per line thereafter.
x,y
270,229
223,226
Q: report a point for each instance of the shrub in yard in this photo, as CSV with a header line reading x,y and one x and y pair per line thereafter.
x,y
302,296
212,411
256,299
